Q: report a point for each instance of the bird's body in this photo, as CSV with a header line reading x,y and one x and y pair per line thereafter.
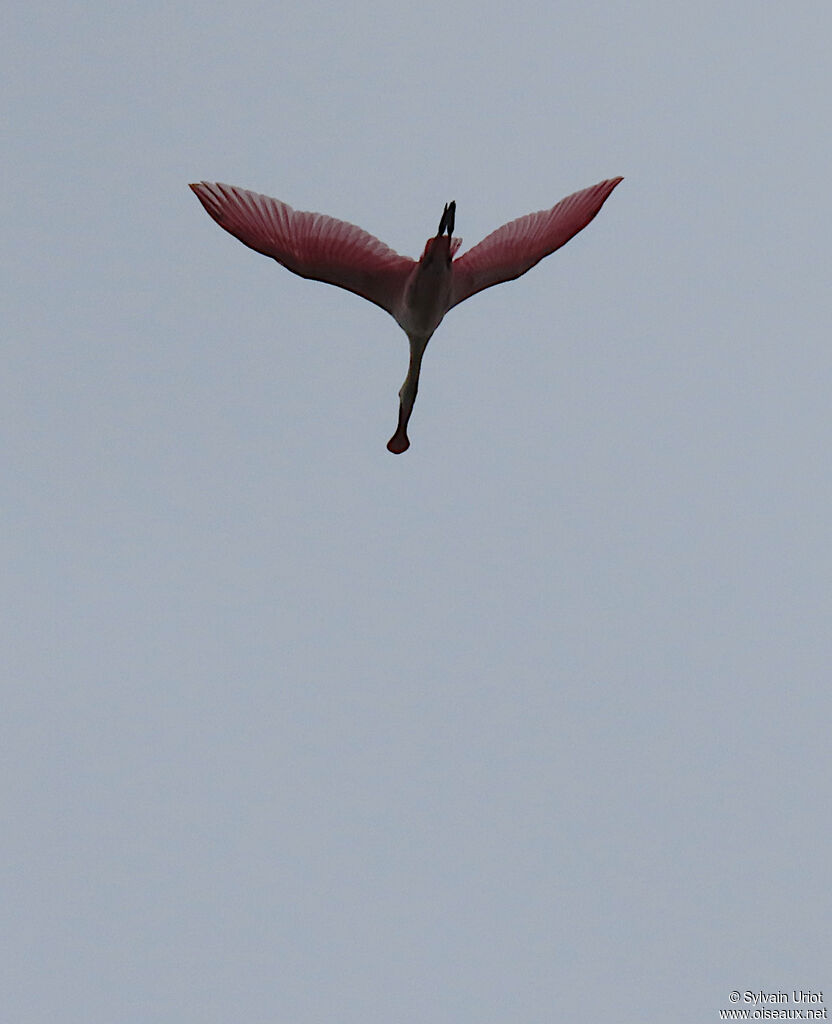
x,y
417,293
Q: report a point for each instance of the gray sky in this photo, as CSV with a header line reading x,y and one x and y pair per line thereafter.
x,y
528,724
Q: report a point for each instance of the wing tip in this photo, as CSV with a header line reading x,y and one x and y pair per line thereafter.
x,y
609,183
205,191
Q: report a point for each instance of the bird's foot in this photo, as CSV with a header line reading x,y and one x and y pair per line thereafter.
x,y
398,443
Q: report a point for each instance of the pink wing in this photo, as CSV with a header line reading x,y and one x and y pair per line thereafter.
x,y
514,248
310,244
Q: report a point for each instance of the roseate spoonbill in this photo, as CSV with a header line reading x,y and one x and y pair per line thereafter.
x,y
416,293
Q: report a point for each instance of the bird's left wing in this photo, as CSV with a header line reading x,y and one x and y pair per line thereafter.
x,y
311,245
514,248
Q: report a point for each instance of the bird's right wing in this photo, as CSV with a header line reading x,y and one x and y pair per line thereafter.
x,y
514,248
311,245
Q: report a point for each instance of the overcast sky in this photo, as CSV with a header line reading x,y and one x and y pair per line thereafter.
x,y
529,724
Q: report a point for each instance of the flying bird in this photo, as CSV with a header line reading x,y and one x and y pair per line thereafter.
x,y
416,293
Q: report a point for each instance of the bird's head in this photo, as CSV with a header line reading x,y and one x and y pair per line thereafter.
x,y
443,247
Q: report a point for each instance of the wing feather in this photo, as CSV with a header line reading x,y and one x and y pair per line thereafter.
x,y
311,245
517,246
